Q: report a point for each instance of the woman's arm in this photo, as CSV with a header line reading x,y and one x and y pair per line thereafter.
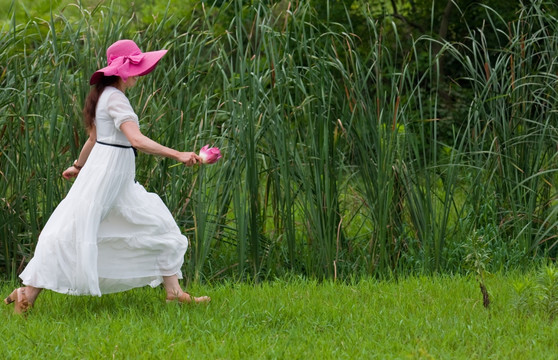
x,y
146,145
73,170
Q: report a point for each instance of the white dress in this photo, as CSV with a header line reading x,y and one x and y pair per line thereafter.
x,y
108,234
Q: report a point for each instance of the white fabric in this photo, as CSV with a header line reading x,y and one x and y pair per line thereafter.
x,y
113,109
109,234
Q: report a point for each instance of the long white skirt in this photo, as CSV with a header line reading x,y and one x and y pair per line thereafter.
x,y
108,235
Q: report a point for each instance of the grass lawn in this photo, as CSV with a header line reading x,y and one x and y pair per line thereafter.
x,y
416,318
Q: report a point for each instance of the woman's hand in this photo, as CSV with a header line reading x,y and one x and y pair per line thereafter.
x,y
73,170
189,158
70,172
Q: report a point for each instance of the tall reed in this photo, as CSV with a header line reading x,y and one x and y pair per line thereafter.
x,y
340,159
511,131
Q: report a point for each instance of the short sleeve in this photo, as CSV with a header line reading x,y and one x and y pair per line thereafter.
x,y
120,110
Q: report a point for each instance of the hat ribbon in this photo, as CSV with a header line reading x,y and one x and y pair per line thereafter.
x,y
122,64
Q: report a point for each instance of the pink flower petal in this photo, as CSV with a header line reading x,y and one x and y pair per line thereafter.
x,y
210,155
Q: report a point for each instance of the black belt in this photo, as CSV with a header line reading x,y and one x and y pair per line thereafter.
x,y
120,146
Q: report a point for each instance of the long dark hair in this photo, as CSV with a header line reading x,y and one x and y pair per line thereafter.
x,y
92,99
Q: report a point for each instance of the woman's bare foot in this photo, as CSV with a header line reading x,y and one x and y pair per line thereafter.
x,y
185,298
23,297
20,299
175,292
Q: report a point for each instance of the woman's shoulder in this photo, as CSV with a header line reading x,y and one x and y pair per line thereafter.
x,y
114,95
109,91
117,105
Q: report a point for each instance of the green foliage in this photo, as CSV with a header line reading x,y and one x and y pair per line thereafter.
x,y
478,254
548,290
538,295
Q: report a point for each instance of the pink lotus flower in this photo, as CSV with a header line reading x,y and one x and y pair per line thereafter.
x,y
210,155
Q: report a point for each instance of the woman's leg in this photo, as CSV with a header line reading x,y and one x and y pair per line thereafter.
x,y
31,293
175,292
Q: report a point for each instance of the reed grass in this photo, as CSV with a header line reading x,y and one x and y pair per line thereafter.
x,y
340,157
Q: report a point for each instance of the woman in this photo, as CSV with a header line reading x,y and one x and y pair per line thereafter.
x,y
109,234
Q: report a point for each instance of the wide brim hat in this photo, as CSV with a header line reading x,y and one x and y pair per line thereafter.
x,y
125,59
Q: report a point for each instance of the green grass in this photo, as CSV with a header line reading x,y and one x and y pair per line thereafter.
x,y
438,317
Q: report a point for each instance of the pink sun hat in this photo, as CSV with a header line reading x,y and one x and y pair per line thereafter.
x,y
125,59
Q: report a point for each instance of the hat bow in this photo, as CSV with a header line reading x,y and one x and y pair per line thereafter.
x,y
122,64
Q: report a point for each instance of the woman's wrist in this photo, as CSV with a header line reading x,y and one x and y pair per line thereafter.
x,y
77,166
174,154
